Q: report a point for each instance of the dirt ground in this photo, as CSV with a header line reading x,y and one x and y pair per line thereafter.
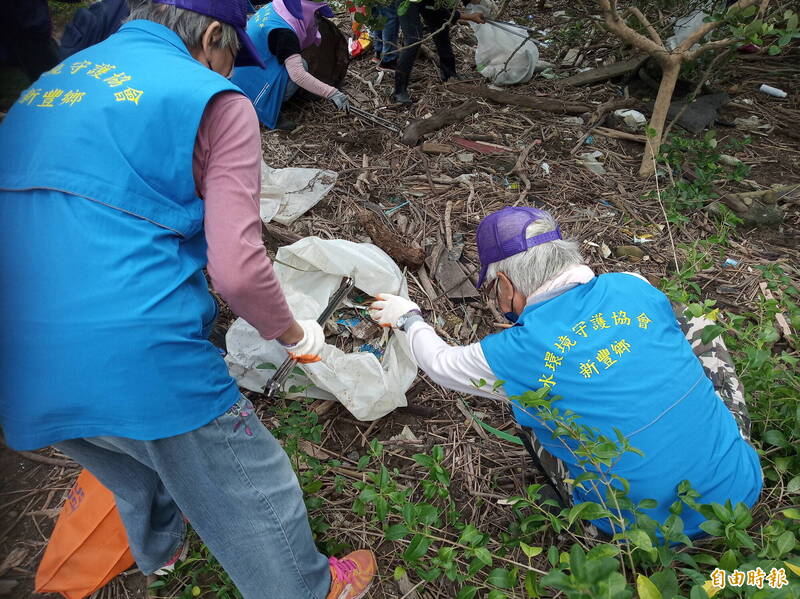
x,y
540,168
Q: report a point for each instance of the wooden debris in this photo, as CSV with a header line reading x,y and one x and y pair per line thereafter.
x,y
780,318
43,459
390,243
535,102
449,274
431,147
616,134
482,147
13,559
607,72
281,233
417,129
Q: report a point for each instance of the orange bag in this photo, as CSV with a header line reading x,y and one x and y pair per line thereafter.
x,y
88,546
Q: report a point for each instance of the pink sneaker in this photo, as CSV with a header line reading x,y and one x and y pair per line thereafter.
x,y
179,556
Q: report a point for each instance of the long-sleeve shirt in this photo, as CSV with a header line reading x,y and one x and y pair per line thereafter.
x,y
459,367
283,43
227,173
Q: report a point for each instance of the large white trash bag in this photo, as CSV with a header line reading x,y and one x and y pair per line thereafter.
x,y
288,193
310,271
505,54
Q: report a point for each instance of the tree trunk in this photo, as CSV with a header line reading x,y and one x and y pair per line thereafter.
x,y
671,68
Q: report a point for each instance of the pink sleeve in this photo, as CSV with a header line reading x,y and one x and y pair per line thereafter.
x,y
298,74
227,172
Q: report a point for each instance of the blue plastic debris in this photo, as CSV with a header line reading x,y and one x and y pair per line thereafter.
x,y
391,211
375,351
348,322
730,262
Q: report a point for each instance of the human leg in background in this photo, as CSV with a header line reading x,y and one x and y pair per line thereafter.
x,y
434,20
390,34
153,522
234,483
28,35
411,25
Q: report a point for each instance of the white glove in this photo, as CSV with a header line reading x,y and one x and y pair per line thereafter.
x,y
307,350
341,100
387,309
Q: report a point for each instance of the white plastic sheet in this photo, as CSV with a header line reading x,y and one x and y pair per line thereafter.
x,y
310,270
505,54
288,193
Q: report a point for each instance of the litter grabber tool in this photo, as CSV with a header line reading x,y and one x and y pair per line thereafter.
x,y
275,383
373,118
511,28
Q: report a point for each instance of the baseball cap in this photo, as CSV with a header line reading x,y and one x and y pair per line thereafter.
x,y
502,234
232,12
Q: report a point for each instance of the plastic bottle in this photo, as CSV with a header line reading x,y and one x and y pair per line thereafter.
x,y
772,91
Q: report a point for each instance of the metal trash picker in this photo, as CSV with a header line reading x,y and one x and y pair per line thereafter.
x,y
275,383
374,118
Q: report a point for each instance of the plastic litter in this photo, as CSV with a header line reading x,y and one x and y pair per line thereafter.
x,y
729,160
505,53
772,91
633,119
288,193
589,160
310,270
684,27
545,168
730,262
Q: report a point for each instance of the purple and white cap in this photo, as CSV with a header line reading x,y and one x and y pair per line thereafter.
x,y
502,234
232,12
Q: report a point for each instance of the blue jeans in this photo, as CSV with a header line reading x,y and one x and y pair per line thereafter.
x,y
233,482
386,38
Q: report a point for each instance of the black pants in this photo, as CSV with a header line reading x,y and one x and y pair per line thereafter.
x,y
411,25
28,35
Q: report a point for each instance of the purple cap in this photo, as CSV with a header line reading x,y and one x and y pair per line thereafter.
x,y
502,234
232,12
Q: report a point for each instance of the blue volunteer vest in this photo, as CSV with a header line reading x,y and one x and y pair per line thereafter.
x,y
103,247
264,87
614,352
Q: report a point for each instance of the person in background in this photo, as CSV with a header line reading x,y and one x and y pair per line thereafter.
x,y
281,30
618,356
386,39
101,263
438,21
28,35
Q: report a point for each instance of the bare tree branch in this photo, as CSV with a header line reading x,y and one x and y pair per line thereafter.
x,y
651,31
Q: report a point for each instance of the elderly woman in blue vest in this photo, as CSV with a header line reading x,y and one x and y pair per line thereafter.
x,y
611,348
101,264
281,30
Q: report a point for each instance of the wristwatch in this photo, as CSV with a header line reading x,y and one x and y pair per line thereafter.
x,y
407,319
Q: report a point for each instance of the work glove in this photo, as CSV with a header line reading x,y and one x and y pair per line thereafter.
x,y
387,309
308,349
341,100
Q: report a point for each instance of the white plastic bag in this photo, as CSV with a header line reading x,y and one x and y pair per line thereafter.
x,y
288,193
505,53
369,388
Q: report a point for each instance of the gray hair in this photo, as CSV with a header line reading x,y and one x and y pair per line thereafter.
x,y
187,24
532,268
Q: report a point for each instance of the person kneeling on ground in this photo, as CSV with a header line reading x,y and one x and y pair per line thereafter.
x,y
281,30
611,347
102,266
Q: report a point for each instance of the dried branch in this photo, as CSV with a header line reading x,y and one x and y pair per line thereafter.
x,y
651,31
